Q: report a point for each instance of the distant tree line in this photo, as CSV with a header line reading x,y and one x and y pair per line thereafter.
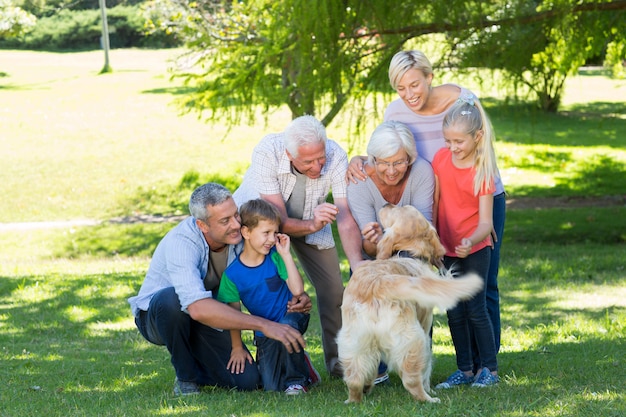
x,y
325,57
61,25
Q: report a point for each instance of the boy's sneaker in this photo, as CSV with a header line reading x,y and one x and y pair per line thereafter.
x,y
314,376
185,388
485,379
456,379
295,389
382,378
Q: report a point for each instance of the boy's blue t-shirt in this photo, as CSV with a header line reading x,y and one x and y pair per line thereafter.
x,y
262,289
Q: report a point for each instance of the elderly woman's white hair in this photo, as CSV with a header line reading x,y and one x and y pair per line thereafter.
x,y
404,61
303,130
389,138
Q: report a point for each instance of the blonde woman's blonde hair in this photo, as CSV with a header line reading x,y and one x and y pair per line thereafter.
x,y
407,60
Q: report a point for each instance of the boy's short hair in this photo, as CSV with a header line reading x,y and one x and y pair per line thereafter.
x,y
253,211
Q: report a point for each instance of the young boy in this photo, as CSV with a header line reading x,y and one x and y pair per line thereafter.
x,y
265,279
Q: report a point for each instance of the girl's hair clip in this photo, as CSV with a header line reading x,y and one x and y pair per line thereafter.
x,y
468,99
465,113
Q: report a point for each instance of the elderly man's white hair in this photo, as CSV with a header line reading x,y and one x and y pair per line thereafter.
x,y
303,130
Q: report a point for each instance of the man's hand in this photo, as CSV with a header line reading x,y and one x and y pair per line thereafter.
x,y
324,214
284,333
299,304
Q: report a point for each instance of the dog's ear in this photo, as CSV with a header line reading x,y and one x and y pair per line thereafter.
x,y
384,248
437,248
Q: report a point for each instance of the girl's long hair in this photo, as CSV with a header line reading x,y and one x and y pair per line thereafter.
x,y
468,114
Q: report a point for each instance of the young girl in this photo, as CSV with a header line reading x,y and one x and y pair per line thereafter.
x,y
465,172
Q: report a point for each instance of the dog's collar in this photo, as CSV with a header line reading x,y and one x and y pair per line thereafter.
x,y
407,254
443,271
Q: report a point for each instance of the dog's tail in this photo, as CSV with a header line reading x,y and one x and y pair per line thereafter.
x,y
432,290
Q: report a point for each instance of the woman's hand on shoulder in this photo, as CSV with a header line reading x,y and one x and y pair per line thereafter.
x,y
356,170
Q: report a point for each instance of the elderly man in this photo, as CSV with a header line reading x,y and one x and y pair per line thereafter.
x,y
175,306
295,170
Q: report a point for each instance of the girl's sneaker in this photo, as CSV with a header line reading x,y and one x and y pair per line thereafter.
x,y
485,379
381,378
456,379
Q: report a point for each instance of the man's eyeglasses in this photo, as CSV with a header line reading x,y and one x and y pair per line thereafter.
x,y
396,165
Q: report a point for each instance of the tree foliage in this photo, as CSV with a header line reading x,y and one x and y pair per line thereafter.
x,y
14,21
313,55
539,46
321,56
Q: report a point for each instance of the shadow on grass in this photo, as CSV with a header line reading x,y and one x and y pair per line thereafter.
x,y
596,109
61,350
603,225
127,234
113,240
594,71
174,91
66,340
538,265
589,124
597,175
48,301
63,345
173,199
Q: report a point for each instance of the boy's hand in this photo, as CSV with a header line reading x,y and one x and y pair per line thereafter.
x,y
282,244
237,361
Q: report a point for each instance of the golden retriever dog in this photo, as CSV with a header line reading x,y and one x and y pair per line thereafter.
x,y
388,305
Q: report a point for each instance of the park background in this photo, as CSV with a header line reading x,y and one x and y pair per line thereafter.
x,y
96,167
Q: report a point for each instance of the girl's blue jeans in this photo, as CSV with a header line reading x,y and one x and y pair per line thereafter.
x,y
469,320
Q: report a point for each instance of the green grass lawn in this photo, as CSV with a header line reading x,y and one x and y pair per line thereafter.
x,y
78,145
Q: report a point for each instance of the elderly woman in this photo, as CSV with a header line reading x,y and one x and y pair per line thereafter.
x,y
396,175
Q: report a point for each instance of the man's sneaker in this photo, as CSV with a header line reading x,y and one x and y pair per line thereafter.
x,y
485,379
314,376
336,370
295,389
456,379
382,378
185,388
